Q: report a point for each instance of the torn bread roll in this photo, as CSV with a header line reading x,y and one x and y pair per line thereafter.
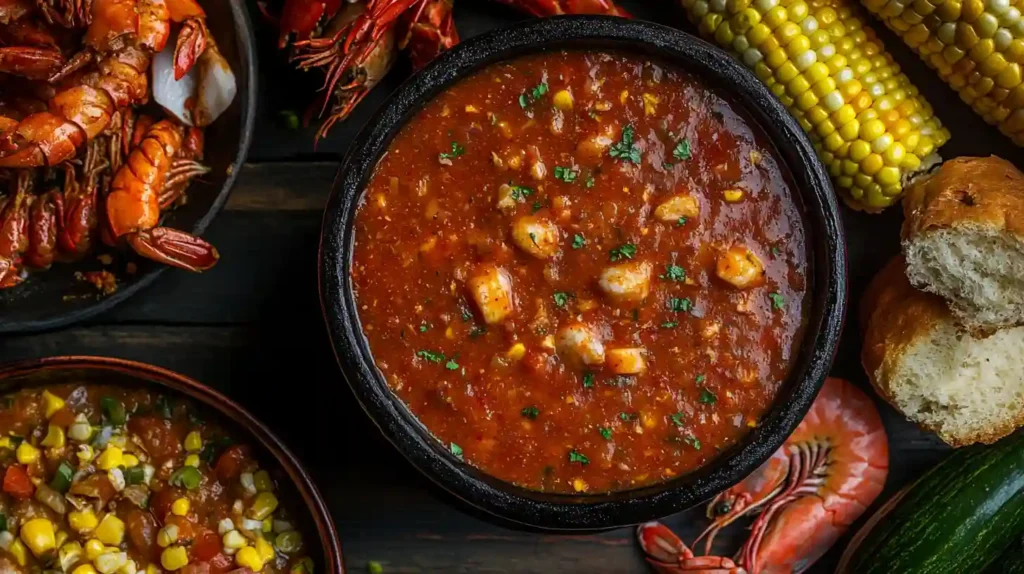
x,y
964,388
963,238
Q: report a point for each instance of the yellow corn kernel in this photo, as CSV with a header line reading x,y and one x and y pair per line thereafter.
x,y
110,562
53,403
516,352
193,442
82,521
60,538
84,569
471,109
580,485
112,457
651,104
129,460
263,506
39,536
152,569
70,553
623,96
93,548
563,100
265,550
5,442
174,558
192,460
167,535
54,437
110,530
19,551
26,453
733,195
181,506
119,440
262,481
85,453
250,558
268,525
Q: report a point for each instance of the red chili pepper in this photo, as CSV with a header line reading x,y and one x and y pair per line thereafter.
x,y
206,546
229,465
17,483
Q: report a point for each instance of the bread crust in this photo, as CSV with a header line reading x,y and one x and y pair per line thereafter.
x,y
975,191
898,315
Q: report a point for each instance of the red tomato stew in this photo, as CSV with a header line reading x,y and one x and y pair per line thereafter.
x,y
106,479
583,272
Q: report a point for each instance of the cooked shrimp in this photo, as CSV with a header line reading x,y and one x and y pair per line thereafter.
x,y
628,282
740,267
492,291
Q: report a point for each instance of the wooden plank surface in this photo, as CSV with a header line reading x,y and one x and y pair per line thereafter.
x,y
257,316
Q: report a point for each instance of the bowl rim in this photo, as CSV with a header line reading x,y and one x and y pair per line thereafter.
x,y
826,300
214,400
248,99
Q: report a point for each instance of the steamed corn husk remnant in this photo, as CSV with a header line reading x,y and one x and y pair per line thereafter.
x,y
977,47
870,126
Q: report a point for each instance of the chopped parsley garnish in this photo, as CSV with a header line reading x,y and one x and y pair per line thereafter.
x,y
451,365
537,206
430,356
669,324
624,251
626,149
561,299
667,165
682,150
590,181
692,441
477,331
680,305
466,315
681,222
527,99
588,380
530,412
605,432
424,327
677,418
778,301
520,193
457,150
775,251
699,378
566,174
456,450
576,456
707,397
674,273
626,417
578,241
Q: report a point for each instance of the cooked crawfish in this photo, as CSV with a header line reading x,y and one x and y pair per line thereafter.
x,y
121,38
804,497
542,8
14,215
78,213
133,205
30,49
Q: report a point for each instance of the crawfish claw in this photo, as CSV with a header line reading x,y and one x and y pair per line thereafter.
x,y
660,543
191,43
32,63
175,248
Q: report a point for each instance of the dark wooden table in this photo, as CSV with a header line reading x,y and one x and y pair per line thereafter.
x,y
252,328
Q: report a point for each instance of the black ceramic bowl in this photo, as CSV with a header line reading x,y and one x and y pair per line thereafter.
x,y
54,298
562,511
119,372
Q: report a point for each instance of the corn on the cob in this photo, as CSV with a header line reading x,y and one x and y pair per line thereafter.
x,y
869,124
977,46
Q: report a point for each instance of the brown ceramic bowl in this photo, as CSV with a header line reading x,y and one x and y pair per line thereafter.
x,y
86,370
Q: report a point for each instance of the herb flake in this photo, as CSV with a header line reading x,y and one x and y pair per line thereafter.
x,y
456,450
578,241
682,150
707,397
692,441
778,301
576,456
677,418
566,174
457,150
451,365
678,305
627,417
674,273
625,149
430,356
669,324
605,432
561,299
530,412
624,251
520,193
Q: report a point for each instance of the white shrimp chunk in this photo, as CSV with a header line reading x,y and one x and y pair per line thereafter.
x,y
536,236
676,207
491,288
626,282
627,361
740,267
579,345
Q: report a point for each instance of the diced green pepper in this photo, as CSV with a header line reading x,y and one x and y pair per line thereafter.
x,y
114,410
186,477
62,478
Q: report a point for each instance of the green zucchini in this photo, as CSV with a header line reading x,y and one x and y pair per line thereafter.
x,y
959,517
1011,561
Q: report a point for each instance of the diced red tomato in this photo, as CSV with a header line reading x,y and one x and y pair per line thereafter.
x,y
142,531
63,418
207,545
221,563
17,483
157,436
229,465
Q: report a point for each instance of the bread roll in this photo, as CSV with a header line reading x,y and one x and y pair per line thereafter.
x,y
964,388
963,238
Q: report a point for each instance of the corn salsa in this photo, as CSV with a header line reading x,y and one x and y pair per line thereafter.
x,y
112,480
582,271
